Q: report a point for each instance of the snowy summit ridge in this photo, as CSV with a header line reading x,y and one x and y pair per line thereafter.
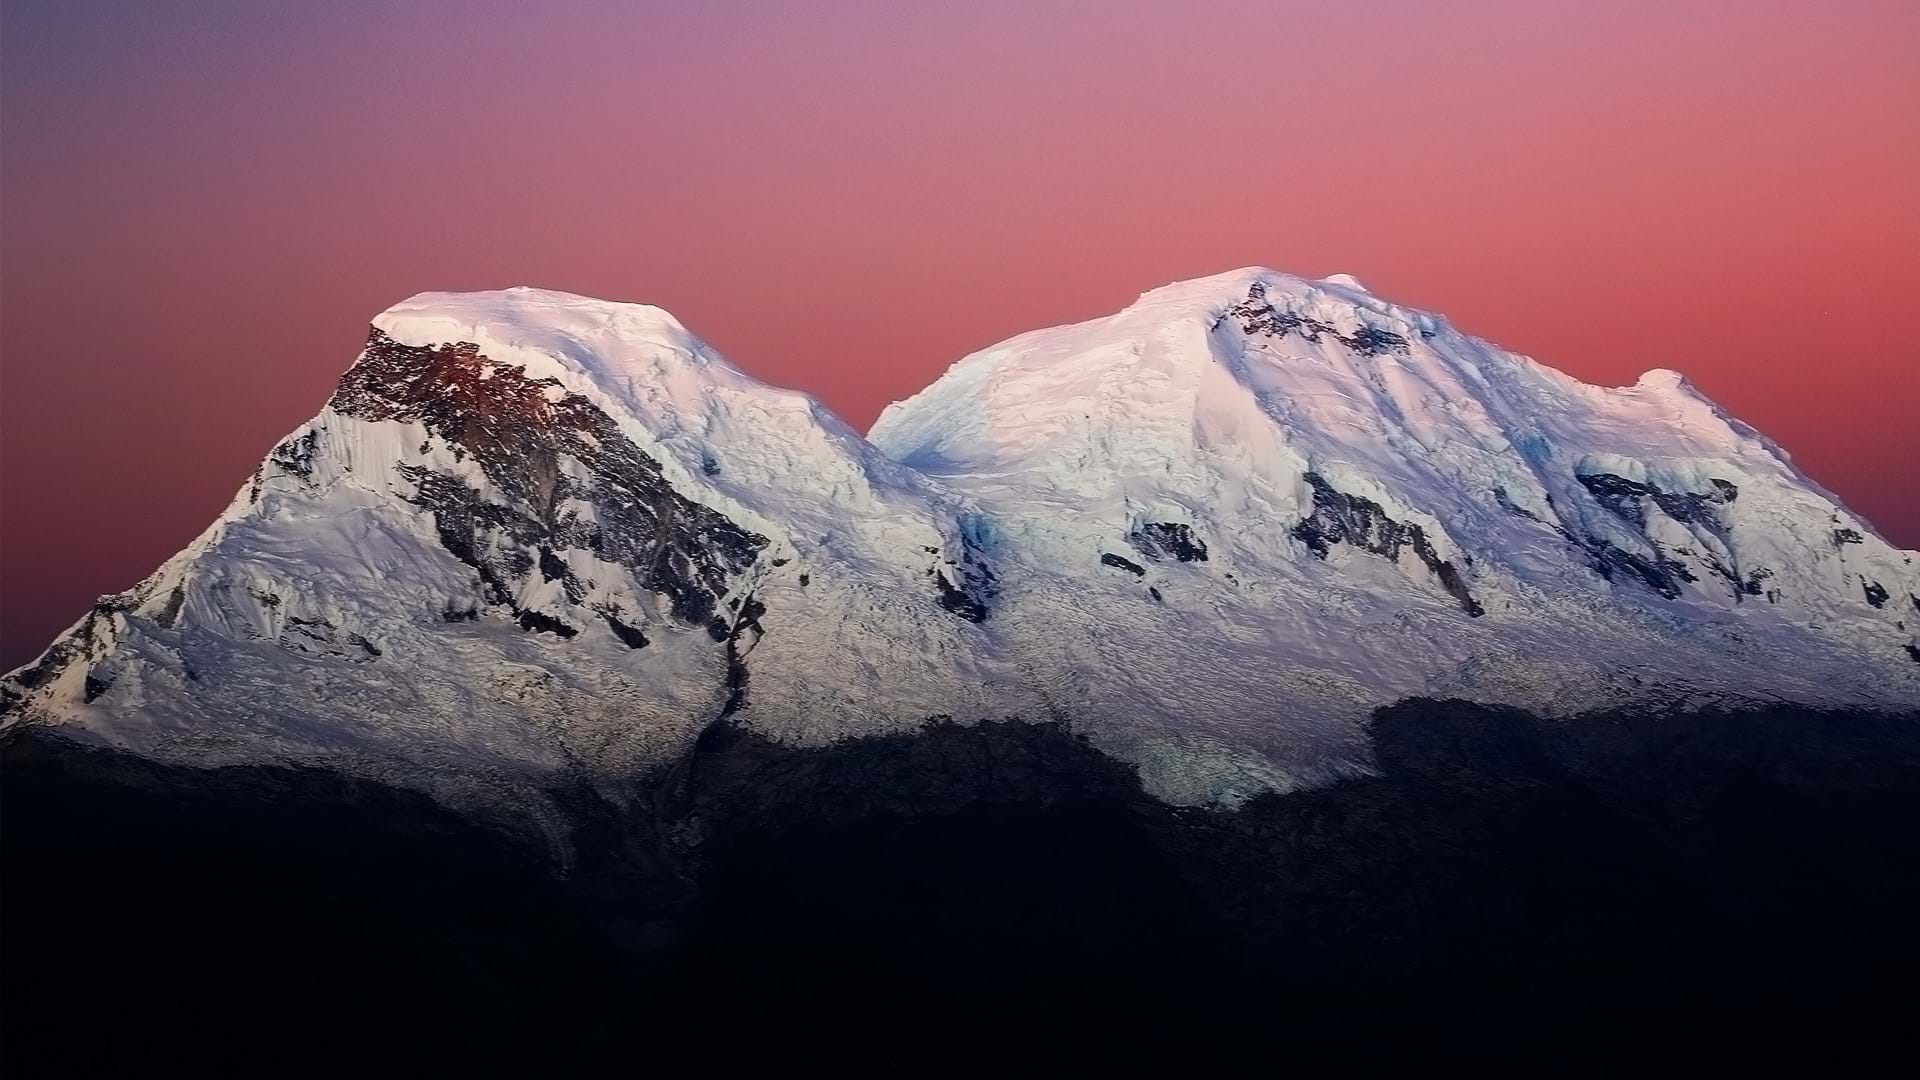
x,y
536,533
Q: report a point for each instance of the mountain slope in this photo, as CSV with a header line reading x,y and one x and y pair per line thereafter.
x,y
1254,488
534,533
537,534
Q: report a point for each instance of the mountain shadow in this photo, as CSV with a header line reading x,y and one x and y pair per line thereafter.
x,y
1615,894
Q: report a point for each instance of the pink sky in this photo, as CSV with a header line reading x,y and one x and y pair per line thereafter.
x,y
201,205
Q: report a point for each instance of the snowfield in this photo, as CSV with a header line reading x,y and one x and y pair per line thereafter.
x,y
538,534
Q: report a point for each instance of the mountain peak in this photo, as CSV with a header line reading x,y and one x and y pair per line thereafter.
x,y
1665,378
534,306
535,531
1233,286
628,351
1305,430
1199,366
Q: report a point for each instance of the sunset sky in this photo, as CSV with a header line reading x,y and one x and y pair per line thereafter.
x,y
202,205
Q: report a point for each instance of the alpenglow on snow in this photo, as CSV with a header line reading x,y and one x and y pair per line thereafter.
x,y
535,533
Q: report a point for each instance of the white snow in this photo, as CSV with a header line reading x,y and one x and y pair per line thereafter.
x,y
1252,670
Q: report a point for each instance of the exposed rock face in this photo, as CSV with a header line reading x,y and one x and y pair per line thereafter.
x,y
1340,518
632,636
967,584
77,647
1258,315
294,457
1662,575
322,638
1632,501
612,501
1628,498
1164,540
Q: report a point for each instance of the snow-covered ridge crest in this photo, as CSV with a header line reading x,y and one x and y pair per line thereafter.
x,y
536,532
1349,462
620,347
666,387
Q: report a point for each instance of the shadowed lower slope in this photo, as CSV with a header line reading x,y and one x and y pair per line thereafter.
x,y
1507,890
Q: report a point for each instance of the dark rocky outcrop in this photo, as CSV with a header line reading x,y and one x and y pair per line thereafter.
x,y
1258,316
1339,518
79,647
1663,575
1505,502
319,637
295,456
631,636
519,430
1373,341
1630,501
960,601
1627,499
540,622
1615,563
1163,540
1121,562
743,627
967,585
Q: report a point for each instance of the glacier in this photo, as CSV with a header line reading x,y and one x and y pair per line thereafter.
x,y
537,535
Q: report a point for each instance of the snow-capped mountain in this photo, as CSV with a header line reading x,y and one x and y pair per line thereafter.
x,y
530,533
1255,495
534,533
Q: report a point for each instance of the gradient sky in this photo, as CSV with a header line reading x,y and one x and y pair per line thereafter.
x,y
202,204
